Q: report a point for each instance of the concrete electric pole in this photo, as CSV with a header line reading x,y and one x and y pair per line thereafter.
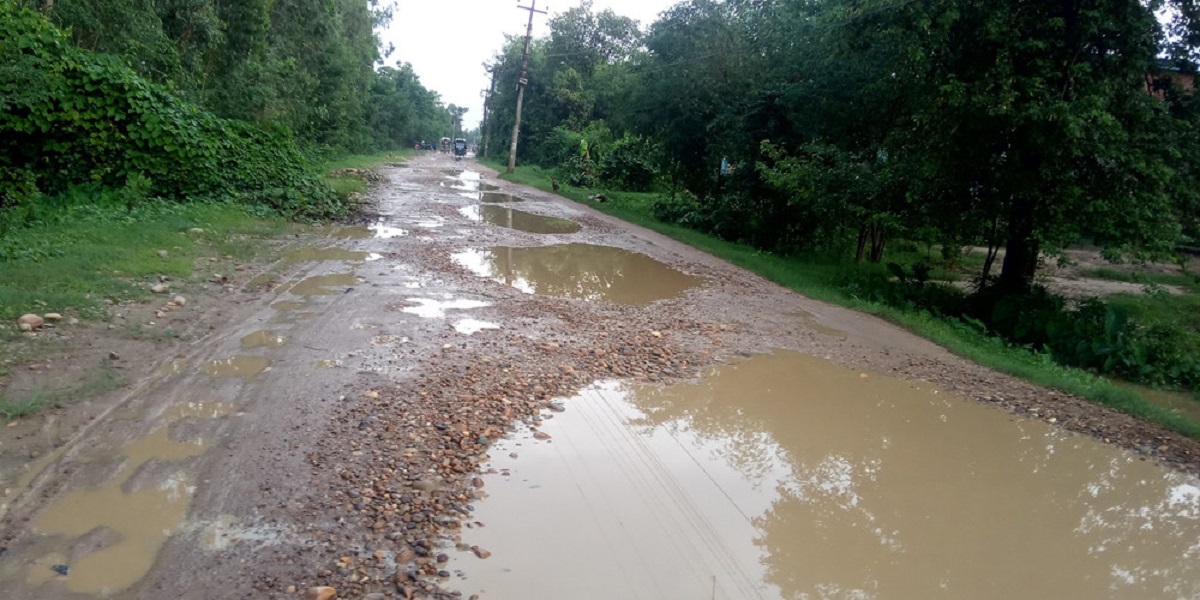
x,y
489,112
512,149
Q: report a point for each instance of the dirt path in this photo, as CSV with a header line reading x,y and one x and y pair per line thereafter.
x,y
329,432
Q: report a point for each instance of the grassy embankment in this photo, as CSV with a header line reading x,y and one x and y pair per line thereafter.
x,y
817,276
84,252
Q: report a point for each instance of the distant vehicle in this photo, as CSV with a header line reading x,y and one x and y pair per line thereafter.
x,y
460,148
445,145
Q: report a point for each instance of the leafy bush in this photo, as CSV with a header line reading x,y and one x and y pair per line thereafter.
x,y
69,117
628,164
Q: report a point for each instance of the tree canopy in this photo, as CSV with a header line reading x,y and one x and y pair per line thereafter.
x,y
1020,125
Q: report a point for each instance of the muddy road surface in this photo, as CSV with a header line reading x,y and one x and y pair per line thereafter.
x,y
488,391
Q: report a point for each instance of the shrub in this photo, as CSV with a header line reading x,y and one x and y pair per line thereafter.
x,y
69,117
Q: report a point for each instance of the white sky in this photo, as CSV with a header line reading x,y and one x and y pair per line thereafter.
x,y
447,41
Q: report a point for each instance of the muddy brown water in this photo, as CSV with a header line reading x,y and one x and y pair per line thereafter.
x,y
470,186
263,339
493,197
315,254
237,366
581,271
324,285
519,219
786,476
118,528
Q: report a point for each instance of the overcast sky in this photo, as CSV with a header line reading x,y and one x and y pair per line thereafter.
x,y
447,41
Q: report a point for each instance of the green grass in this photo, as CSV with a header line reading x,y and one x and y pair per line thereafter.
x,y
366,161
816,276
344,185
88,255
12,409
1189,282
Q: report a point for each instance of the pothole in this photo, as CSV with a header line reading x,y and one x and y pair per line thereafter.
x,y
580,271
518,219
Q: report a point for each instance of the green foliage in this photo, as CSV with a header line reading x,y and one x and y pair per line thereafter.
x,y
12,409
87,247
71,117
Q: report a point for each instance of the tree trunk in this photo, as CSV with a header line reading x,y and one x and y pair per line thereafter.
x,y
993,248
878,242
862,243
1021,252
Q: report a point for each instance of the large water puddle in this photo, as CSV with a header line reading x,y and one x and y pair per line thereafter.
x,y
325,285
786,476
518,219
238,366
581,271
314,254
469,185
430,308
118,529
263,339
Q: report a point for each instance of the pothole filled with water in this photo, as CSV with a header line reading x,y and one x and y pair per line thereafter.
x,y
314,254
429,308
518,219
498,197
117,530
324,285
263,339
580,271
473,326
786,476
238,366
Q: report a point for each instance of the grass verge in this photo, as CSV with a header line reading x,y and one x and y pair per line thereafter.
x,y
816,277
346,184
89,254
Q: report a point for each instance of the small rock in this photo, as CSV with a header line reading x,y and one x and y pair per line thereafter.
x,y
541,435
320,593
374,596
32,320
481,553
162,253
477,482
556,406
371,394
52,317
61,569
114,356
196,230
179,300
656,334
160,288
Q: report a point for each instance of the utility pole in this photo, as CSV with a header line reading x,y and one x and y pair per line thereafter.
x,y
488,109
521,83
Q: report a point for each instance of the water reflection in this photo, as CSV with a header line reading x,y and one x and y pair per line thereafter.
x,y
581,271
789,477
518,219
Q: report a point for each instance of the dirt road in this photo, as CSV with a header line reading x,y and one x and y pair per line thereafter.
x,y
333,429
